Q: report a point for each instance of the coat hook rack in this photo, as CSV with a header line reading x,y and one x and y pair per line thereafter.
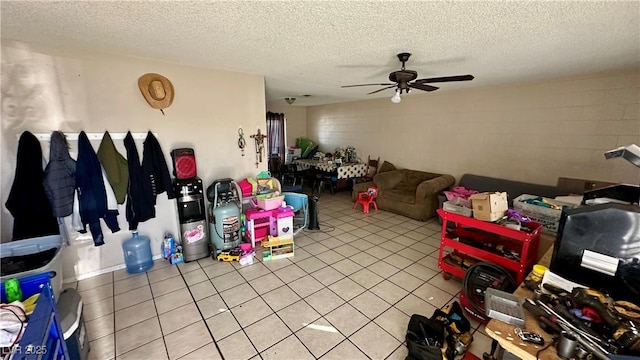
x,y
93,136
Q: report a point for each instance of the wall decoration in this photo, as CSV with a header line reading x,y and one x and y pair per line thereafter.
x,y
258,138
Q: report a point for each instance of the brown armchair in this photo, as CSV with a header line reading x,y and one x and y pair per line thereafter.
x,y
410,193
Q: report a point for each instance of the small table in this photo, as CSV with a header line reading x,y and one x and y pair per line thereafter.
x,y
503,332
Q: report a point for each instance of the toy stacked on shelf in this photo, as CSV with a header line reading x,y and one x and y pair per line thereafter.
x,y
275,222
279,248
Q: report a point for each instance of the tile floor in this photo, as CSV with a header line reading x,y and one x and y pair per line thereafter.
x,y
347,294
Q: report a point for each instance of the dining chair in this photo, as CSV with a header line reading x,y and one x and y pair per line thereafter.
x,y
321,179
276,167
372,170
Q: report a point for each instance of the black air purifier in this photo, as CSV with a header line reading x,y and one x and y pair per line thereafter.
x,y
313,213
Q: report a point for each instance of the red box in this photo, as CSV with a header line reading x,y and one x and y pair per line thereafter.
x,y
246,187
184,163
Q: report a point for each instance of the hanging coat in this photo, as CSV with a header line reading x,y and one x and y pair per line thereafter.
x,y
116,167
140,198
91,191
27,201
59,176
155,167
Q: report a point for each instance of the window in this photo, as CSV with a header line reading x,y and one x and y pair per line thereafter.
x,y
275,133
276,142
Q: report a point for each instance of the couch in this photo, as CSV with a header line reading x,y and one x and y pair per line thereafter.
x,y
407,192
511,187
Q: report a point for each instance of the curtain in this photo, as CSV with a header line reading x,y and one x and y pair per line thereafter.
x,y
275,133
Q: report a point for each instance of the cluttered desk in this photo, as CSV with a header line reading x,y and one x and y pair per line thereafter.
x,y
582,300
584,306
505,334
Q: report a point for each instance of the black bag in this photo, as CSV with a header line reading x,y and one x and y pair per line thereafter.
x,y
425,338
437,338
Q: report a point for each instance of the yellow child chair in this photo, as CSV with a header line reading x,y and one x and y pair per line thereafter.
x,y
367,198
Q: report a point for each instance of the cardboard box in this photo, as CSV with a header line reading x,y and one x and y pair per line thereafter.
x,y
489,206
547,216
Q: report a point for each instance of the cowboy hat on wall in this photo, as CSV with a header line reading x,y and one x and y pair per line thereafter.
x,y
157,90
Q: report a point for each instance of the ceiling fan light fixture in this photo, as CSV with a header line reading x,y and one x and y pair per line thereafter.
x,y
396,98
290,100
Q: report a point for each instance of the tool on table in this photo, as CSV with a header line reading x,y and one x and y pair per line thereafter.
x,y
567,345
545,322
503,306
591,343
627,337
627,310
529,336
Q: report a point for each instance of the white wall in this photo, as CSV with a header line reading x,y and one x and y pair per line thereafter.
x,y
532,132
73,90
296,119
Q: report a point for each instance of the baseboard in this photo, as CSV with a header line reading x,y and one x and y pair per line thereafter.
x,y
101,271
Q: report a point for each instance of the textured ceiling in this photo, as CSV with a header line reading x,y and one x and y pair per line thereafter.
x,y
314,47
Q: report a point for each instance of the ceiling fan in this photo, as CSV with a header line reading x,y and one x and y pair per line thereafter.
x,y
405,80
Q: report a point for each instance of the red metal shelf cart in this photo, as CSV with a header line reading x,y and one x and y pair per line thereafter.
x,y
469,239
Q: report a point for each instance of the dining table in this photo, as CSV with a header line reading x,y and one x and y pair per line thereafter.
x,y
341,171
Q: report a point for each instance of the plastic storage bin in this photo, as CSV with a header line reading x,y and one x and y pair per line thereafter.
x,y
43,337
269,202
17,255
458,209
70,313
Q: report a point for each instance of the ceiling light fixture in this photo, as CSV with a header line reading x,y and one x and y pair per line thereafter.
x,y
396,98
290,100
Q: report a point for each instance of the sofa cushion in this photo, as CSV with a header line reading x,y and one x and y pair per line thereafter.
x,y
511,187
386,166
398,195
414,178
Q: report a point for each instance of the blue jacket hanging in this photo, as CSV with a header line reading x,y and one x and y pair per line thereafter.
x,y
91,192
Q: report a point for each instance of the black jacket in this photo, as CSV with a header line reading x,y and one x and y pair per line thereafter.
x,y
140,198
59,176
27,202
155,167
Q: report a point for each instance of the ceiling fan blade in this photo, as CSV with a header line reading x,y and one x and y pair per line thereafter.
x,y
347,86
424,87
384,88
446,79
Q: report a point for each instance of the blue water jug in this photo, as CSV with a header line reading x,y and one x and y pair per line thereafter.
x,y
137,254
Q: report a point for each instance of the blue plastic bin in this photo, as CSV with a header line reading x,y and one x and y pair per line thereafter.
x,y
43,337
